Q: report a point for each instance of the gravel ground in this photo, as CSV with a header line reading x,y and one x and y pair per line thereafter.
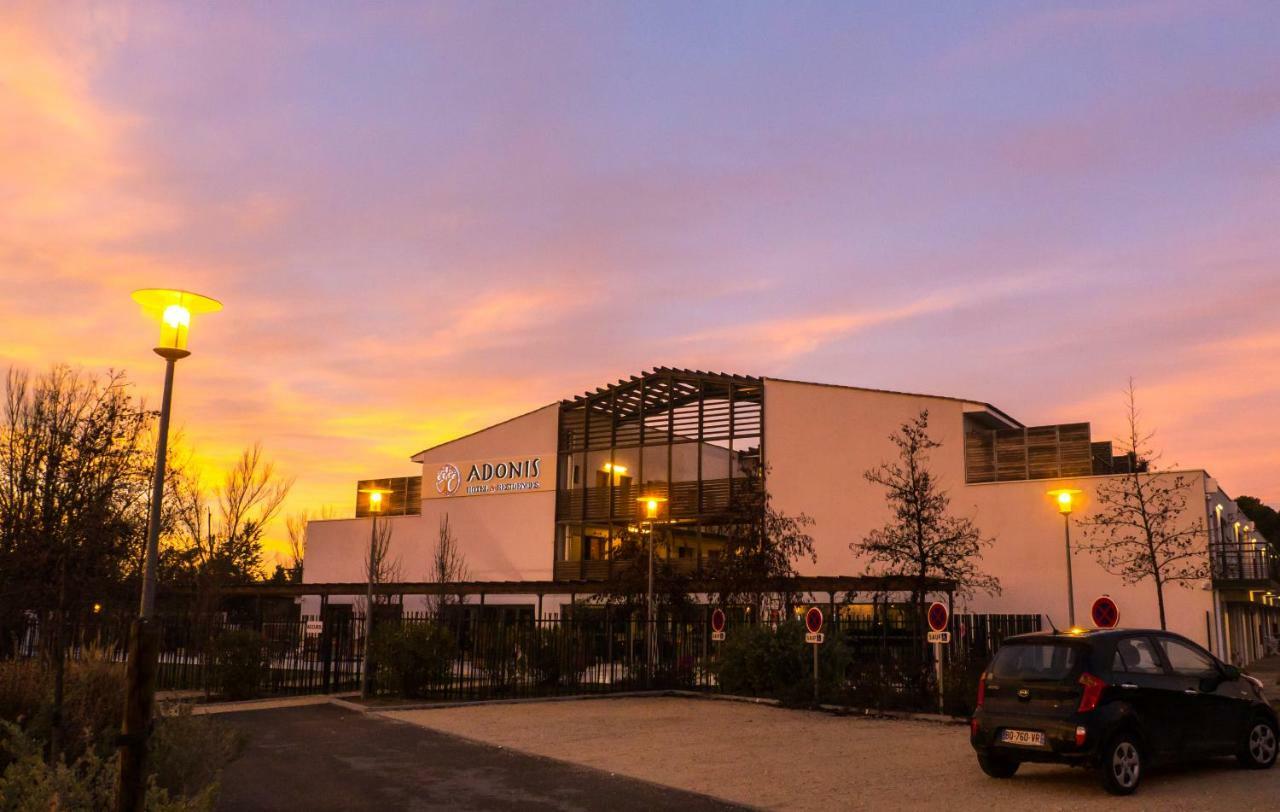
x,y
785,759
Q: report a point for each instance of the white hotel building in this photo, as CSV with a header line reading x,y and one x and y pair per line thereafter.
x,y
542,498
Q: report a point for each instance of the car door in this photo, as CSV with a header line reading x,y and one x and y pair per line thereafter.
x,y
1212,711
1143,681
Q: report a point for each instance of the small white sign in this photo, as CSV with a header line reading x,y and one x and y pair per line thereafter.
x,y
939,637
717,636
315,628
814,637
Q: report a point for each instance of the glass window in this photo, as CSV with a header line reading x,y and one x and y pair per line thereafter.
x,y
1187,660
1049,662
1139,656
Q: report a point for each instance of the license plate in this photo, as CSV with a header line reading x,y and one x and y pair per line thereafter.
x,y
1027,738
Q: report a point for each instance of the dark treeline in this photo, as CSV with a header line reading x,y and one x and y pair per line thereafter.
x,y
76,460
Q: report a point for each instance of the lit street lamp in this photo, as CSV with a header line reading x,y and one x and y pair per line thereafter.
x,y
652,505
375,507
174,309
1065,498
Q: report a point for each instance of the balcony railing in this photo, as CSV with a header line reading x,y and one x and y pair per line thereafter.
x,y
1244,562
603,570
687,500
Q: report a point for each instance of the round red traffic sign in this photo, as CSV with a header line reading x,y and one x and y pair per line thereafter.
x,y
717,620
1106,615
938,616
813,620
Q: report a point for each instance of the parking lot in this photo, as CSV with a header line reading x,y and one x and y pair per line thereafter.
x,y
783,759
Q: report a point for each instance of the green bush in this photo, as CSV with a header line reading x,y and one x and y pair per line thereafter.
x,y
239,664
28,784
555,656
411,658
187,753
92,703
759,660
25,691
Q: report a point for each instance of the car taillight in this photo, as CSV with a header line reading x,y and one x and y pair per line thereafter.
x,y
982,690
1092,692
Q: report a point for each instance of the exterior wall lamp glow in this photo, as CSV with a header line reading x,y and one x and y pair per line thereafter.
x,y
1065,500
173,309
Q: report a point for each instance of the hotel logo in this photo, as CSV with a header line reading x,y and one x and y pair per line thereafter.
x,y
448,479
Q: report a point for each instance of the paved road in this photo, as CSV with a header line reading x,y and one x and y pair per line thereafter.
x,y
322,757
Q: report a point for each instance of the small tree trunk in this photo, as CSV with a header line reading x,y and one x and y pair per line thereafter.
x,y
1160,602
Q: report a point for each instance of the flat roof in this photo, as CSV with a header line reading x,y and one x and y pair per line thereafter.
x,y
1014,423
659,371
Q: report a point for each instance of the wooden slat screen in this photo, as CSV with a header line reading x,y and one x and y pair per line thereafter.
x,y
1034,452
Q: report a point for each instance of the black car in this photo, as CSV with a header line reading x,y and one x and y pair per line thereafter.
x,y
1116,700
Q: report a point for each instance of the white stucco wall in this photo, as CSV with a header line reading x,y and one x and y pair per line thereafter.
x,y
820,439
503,537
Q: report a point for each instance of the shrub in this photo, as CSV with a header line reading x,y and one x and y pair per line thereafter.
x,y
188,753
411,658
24,690
92,702
759,660
239,664
28,784
555,656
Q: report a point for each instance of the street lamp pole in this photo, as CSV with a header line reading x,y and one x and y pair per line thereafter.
x,y
375,507
1065,498
1071,590
174,308
651,506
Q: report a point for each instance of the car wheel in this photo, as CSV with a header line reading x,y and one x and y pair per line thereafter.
x,y
1121,764
997,766
1258,751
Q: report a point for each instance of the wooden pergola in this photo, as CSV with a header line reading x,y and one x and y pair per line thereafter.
x,y
831,585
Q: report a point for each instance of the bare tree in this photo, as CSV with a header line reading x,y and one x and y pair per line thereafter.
x,y
1138,530
251,492
295,525
379,568
448,565
922,541
247,499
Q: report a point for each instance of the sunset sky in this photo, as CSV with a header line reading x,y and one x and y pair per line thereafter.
x,y
424,218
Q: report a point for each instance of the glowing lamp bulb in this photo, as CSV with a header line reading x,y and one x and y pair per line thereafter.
x,y
176,316
1064,502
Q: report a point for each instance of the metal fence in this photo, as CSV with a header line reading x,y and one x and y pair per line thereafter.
x,y
596,652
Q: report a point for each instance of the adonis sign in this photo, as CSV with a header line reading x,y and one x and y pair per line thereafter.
x,y
480,477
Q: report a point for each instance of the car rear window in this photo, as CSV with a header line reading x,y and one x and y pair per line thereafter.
x,y
1035,661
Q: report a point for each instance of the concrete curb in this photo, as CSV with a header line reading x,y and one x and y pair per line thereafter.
x,y
343,701
516,701
211,708
837,710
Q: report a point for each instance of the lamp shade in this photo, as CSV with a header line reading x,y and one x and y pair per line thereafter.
x,y
174,309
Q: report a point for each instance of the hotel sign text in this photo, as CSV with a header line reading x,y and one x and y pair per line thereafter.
x,y
520,474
